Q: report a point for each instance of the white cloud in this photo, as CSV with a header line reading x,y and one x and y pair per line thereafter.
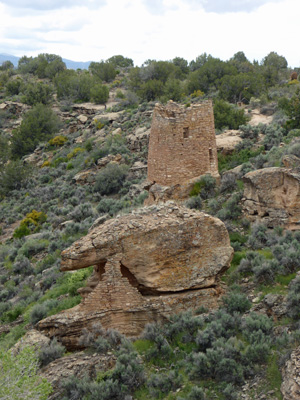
x,y
38,5
180,29
216,6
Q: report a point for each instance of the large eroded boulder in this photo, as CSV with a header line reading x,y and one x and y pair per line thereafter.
x,y
272,195
147,265
166,248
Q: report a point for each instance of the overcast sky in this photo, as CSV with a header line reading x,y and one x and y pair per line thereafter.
x,y
88,30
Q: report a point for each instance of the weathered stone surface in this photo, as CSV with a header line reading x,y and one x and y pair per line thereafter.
x,y
82,118
290,387
113,116
14,107
147,265
180,192
31,338
138,140
138,170
273,305
117,131
272,195
77,365
182,143
258,118
227,141
167,247
291,161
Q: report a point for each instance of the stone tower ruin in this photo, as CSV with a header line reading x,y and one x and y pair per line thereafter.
x,y
182,143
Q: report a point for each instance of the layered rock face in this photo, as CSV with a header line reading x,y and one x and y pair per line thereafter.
x,y
147,265
272,195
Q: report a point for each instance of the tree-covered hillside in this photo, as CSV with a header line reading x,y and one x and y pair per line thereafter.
x,y
73,148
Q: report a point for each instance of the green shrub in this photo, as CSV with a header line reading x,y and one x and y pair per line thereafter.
x,y
293,299
111,179
58,141
99,93
40,311
103,70
273,136
101,345
231,210
292,109
228,183
37,93
39,124
161,384
74,152
13,176
81,212
12,314
31,223
194,202
228,116
236,302
258,238
50,352
19,377
198,366
14,86
196,393
22,266
250,132
116,384
21,231
205,187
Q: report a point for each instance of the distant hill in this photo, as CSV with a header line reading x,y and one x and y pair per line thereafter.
x,y
9,57
76,64
69,63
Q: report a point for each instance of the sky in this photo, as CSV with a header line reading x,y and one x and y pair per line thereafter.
x,y
94,30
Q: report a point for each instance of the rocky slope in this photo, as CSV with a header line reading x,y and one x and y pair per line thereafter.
x,y
148,265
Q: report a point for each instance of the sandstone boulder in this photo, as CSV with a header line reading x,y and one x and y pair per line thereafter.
x,y
227,141
147,265
74,365
272,195
290,387
31,338
166,247
82,118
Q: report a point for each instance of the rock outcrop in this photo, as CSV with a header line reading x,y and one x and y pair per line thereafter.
x,y
290,387
32,338
227,141
272,196
147,265
291,161
74,365
139,140
160,194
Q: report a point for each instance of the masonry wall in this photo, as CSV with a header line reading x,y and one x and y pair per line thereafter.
x,y
182,143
